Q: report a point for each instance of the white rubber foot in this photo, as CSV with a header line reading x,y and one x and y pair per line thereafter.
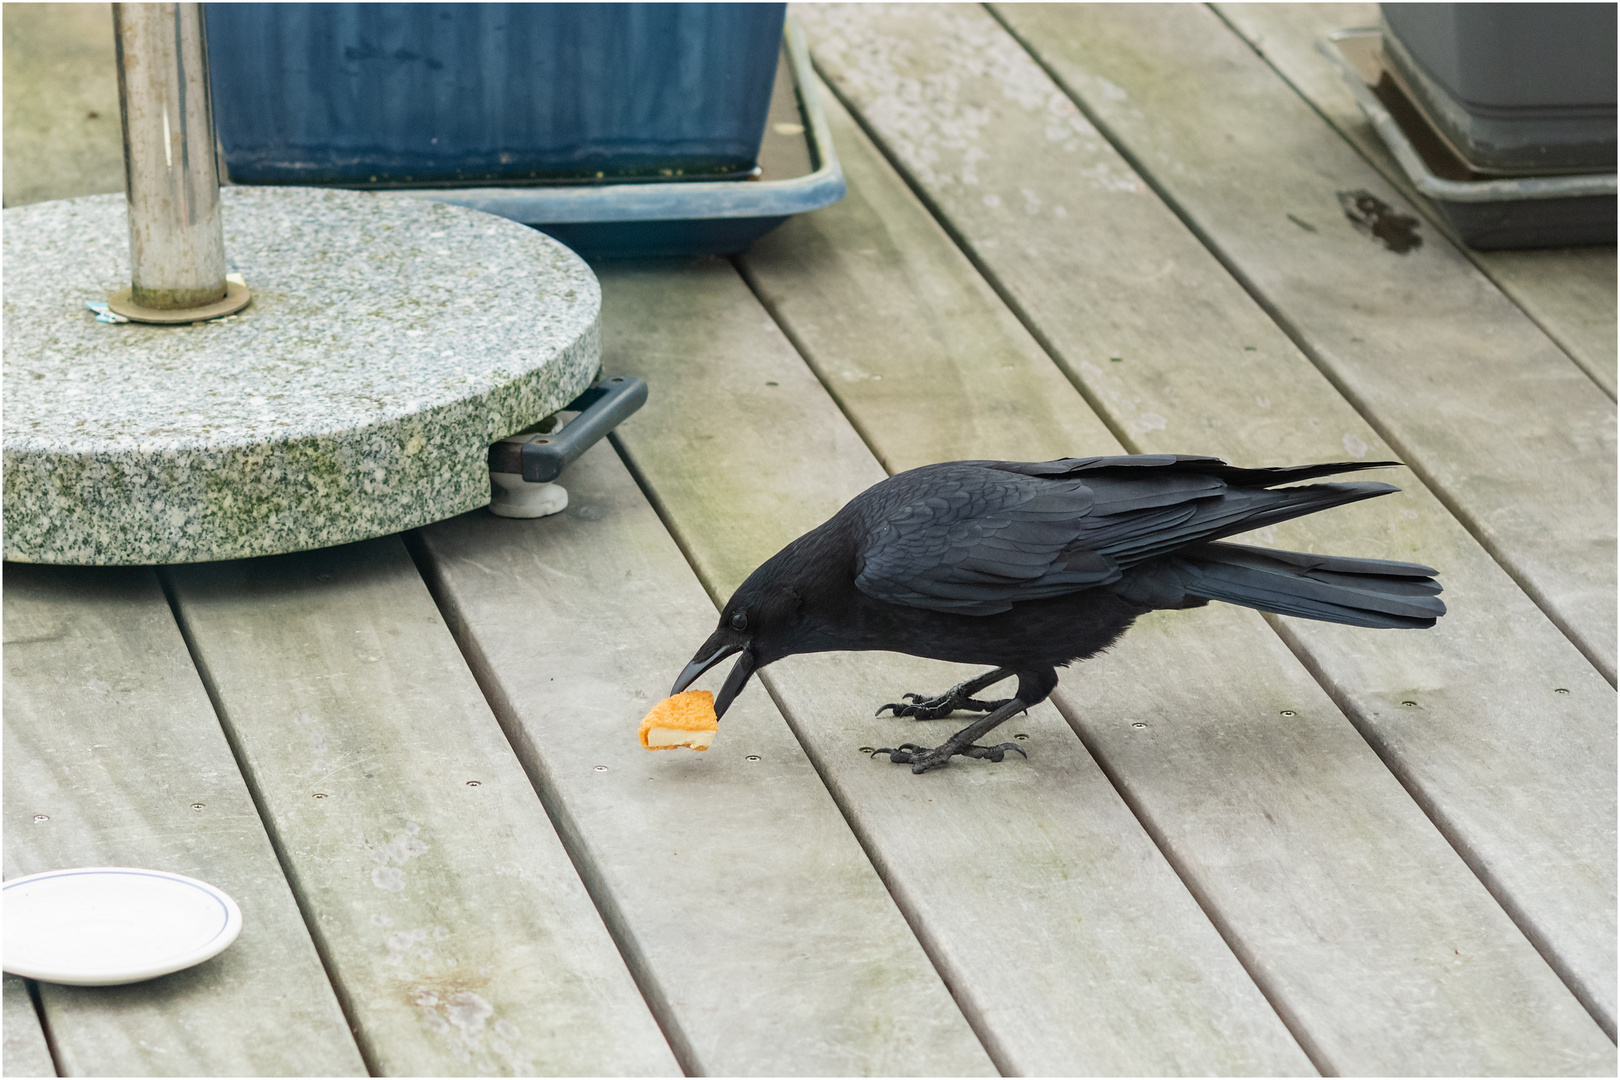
x,y
510,497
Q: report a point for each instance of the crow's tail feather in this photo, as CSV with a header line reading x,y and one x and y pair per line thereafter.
x,y
1139,537
1357,592
1128,465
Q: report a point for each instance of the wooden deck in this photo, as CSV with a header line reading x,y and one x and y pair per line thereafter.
x,y
1241,843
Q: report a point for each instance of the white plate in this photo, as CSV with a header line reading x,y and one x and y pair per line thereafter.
x,y
104,925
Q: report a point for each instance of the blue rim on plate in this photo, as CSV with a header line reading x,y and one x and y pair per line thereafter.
x,y
169,922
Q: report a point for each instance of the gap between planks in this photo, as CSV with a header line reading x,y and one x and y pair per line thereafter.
x,y
110,730
1296,1027
28,1050
822,371
993,1045
568,830
636,291
932,836
1505,268
403,814
732,872
1559,582
1547,659
267,820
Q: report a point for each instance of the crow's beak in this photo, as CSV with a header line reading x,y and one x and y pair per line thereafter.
x,y
738,678
711,654
703,663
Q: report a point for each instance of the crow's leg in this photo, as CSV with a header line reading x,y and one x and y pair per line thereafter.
x,y
922,758
957,697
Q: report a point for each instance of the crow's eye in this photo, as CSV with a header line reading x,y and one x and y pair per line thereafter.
x,y
739,622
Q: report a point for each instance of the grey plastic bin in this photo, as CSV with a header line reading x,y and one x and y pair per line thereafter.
x,y
1518,89
1485,211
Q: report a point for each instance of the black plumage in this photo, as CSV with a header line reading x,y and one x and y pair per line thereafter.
x,y
1030,566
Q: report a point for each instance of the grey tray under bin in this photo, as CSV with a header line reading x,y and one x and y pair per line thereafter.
x,y
1485,213
799,172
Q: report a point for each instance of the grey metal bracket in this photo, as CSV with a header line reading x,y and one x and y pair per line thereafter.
x,y
542,458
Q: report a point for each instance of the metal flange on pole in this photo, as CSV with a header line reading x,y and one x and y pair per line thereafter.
x,y
171,172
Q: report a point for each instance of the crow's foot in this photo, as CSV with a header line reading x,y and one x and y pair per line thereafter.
x,y
923,758
958,697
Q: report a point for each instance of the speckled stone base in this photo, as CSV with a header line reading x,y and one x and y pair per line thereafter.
x,y
388,343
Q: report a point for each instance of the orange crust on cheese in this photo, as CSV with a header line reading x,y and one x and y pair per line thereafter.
x,y
690,711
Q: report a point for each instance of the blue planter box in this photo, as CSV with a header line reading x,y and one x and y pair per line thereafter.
x,y
437,95
799,173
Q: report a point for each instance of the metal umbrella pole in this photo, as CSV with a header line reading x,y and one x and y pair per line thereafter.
x,y
171,172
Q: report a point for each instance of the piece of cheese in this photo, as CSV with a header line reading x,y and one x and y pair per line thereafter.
x,y
683,720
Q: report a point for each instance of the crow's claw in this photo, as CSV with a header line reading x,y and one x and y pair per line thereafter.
x,y
923,758
991,753
897,707
940,706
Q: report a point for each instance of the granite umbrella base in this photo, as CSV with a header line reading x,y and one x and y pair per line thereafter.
x,y
389,341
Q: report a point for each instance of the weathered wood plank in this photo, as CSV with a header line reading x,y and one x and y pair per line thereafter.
x,y
1395,958
732,877
1323,874
895,321
61,103
454,926
1476,399
25,1052
1066,938
114,757
1520,778
1569,292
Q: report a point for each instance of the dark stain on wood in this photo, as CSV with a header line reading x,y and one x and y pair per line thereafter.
x,y
1375,217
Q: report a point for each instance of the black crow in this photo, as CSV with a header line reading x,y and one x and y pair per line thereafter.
x,y
1029,566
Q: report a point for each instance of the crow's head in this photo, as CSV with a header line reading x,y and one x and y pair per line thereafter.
x,y
759,622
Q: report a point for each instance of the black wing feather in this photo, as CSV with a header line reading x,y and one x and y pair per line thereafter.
x,y
975,537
